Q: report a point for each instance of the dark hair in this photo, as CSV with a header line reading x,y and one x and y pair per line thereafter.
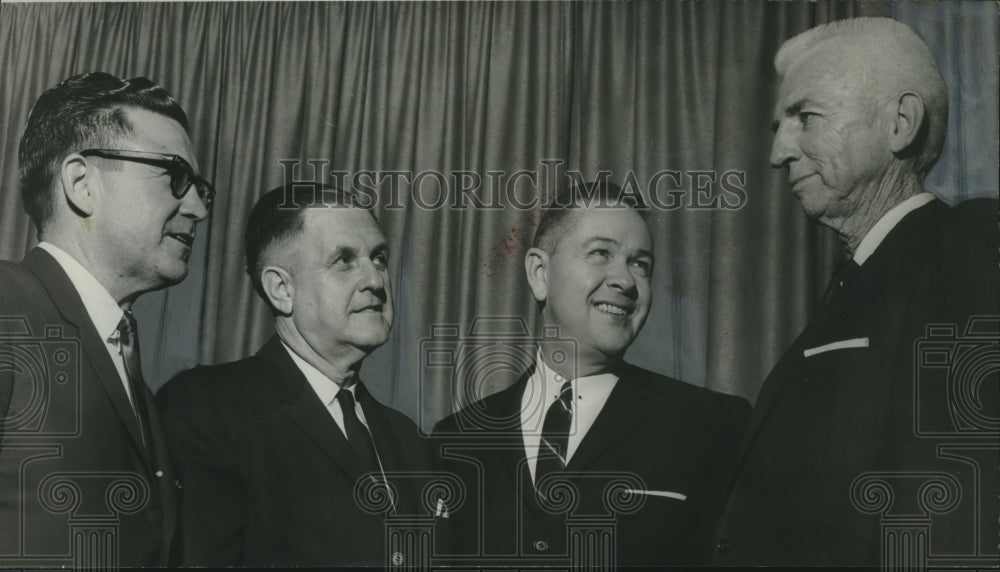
x,y
277,217
82,111
600,194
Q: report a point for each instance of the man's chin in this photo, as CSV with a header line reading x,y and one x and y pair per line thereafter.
x,y
371,341
614,348
172,274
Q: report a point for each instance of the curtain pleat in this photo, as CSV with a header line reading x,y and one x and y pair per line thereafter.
x,y
472,90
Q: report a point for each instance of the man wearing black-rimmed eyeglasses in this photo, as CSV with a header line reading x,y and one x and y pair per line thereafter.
x,y
111,183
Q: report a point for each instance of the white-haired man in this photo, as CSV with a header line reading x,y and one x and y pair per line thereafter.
x,y
861,119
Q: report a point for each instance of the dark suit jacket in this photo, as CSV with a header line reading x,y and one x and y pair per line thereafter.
x,y
269,478
828,427
69,443
654,434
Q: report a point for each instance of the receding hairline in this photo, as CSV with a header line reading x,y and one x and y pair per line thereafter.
x,y
559,228
286,242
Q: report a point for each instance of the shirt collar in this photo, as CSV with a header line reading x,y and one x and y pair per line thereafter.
x,y
104,312
549,382
324,387
889,220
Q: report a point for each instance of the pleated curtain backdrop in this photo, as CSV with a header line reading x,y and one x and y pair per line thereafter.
x,y
636,87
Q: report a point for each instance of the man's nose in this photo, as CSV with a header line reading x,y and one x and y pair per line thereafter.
x,y
372,275
192,206
620,278
784,148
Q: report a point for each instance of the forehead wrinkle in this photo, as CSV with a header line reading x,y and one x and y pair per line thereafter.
x,y
601,239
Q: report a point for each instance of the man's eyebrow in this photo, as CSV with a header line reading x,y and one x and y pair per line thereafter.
x,y
600,239
643,252
381,248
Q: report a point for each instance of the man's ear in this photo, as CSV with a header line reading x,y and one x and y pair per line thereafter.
x,y
278,287
907,121
77,183
536,266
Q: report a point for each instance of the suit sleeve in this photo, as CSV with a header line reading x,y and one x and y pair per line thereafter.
x,y
212,515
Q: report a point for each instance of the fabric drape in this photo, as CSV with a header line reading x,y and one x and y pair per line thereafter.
x,y
477,88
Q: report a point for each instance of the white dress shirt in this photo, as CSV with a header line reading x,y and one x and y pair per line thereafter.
x,y
102,309
889,220
326,389
589,395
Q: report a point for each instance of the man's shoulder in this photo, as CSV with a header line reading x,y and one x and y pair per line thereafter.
x,y
970,218
661,387
18,284
221,383
395,417
13,272
705,413
493,413
26,307
985,208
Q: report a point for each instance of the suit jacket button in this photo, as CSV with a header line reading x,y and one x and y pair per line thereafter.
x,y
159,474
541,545
723,546
177,483
397,558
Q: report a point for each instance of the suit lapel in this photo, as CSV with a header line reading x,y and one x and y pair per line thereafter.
x,y
67,300
626,406
506,405
901,239
305,408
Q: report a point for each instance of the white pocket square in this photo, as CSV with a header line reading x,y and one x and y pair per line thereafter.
x,y
666,494
441,511
842,344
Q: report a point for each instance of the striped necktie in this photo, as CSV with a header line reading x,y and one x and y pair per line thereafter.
x,y
553,448
128,343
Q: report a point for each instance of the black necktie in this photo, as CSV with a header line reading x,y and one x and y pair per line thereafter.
x,y
554,445
357,434
839,279
128,342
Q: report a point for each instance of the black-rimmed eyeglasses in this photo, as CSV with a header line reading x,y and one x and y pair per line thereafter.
x,y
181,173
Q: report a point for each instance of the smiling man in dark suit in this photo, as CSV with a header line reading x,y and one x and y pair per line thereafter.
x,y
278,452
861,119
587,455
108,177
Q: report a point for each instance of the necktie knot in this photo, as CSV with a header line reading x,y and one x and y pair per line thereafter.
x,y
346,399
127,328
566,396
